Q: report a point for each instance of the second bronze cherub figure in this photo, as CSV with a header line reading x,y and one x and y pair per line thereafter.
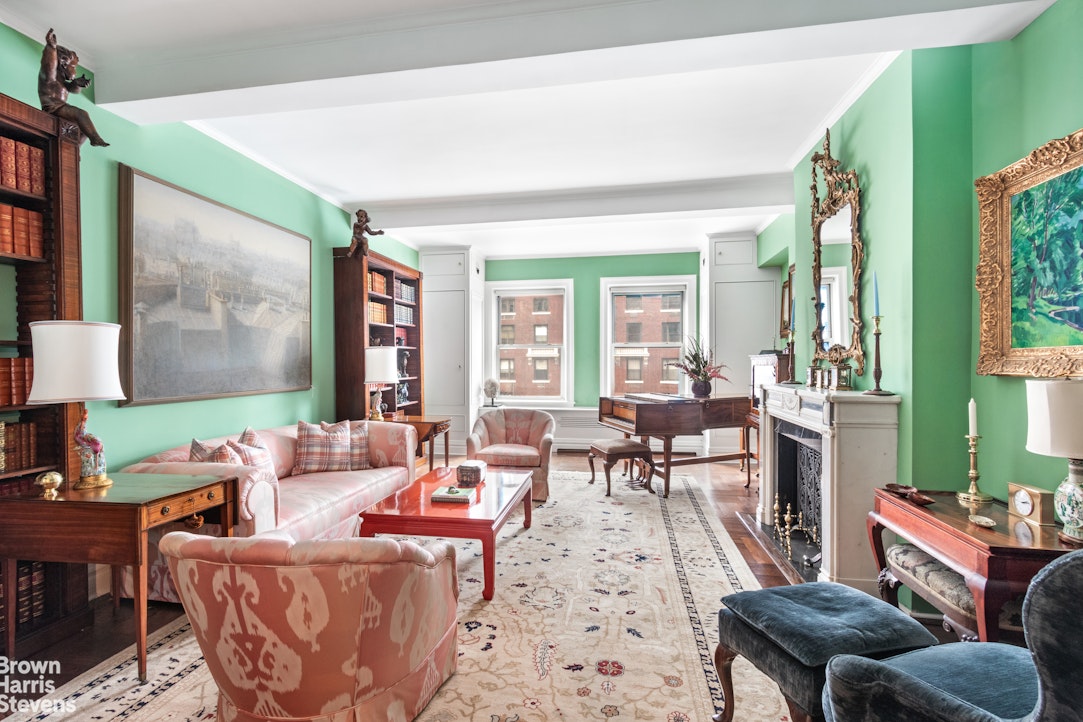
x,y
56,79
360,228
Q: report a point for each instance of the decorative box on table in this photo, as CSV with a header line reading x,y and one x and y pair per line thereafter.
x,y
471,473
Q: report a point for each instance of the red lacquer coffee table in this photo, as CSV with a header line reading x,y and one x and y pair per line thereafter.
x,y
411,511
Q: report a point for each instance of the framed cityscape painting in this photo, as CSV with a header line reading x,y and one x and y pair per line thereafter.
x,y
214,302
1030,264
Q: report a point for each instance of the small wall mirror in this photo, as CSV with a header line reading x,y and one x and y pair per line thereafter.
x,y
837,255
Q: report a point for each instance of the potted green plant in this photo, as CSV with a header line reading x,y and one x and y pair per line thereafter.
x,y
700,366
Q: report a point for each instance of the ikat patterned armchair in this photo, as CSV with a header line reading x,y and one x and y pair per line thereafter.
x,y
519,438
343,630
977,681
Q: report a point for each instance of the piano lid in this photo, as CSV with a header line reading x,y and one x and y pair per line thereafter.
x,y
661,398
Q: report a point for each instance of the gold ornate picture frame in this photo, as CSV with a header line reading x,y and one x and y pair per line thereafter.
x,y
786,305
1030,264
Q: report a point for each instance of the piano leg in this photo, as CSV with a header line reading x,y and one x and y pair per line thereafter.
x,y
667,458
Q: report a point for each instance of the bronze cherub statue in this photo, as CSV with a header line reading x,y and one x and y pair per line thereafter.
x,y
56,79
360,228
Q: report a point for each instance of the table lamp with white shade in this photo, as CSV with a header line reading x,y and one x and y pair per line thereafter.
x,y
1055,428
381,368
74,362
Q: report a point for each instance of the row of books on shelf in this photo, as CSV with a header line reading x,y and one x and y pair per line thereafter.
x,y
405,291
16,378
22,166
404,314
377,282
377,312
29,593
22,231
18,446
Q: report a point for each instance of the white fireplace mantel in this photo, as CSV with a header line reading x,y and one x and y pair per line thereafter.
x,y
860,437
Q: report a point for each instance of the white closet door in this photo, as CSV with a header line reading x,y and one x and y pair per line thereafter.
x,y
445,351
745,322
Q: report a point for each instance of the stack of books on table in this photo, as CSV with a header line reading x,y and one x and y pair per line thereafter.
x,y
453,494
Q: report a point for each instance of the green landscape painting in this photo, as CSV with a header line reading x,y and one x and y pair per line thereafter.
x,y
1047,263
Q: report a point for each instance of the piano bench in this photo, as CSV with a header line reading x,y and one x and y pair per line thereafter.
x,y
613,450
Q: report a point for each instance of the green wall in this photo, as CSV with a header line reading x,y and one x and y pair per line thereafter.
x,y
942,282
181,155
586,274
1026,92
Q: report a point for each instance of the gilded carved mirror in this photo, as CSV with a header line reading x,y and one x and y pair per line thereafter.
x,y
836,217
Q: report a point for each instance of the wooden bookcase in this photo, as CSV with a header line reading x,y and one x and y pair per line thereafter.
x,y
46,267
377,302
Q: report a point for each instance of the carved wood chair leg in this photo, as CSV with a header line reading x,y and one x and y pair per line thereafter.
x,y
888,585
590,460
607,466
723,661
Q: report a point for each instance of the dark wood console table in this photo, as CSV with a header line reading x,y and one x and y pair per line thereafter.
x,y
106,526
997,564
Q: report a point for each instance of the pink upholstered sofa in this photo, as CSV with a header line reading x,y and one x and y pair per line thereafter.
x,y
316,505
348,630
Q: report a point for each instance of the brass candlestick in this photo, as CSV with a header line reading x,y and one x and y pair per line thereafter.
x,y
876,371
973,496
789,363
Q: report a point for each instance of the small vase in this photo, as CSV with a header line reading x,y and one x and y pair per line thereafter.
x,y
701,389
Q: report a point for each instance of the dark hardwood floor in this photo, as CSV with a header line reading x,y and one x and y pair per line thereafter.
x,y
723,484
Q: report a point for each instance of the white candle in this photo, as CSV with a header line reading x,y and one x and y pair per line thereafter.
x,y
973,408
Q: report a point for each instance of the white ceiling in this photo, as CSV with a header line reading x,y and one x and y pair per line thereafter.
x,y
522,127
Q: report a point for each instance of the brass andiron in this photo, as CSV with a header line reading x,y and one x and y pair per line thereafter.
x,y
973,496
785,527
876,371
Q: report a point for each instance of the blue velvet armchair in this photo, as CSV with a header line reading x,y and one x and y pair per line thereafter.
x,y
978,681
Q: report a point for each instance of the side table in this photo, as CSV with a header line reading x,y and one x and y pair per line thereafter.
x,y
428,428
997,564
105,526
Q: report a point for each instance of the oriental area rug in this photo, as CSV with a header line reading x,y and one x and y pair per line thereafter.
x,y
605,608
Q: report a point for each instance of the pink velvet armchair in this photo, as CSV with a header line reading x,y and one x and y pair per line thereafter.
x,y
349,630
521,438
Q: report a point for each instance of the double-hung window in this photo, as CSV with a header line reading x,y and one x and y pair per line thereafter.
x,y
529,327
644,323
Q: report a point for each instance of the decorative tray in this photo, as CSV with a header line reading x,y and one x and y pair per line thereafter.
x,y
920,499
900,489
910,493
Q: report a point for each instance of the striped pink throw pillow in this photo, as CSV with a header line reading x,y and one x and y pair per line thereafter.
x,y
359,443
253,451
322,450
218,455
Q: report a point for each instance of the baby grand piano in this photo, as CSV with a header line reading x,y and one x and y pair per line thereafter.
x,y
664,416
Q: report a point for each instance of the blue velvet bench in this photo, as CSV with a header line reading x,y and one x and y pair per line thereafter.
x,y
789,633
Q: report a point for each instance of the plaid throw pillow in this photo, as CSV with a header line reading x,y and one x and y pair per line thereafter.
x,y
253,451
320,450
218,455
359,443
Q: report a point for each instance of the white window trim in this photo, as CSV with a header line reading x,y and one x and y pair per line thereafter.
x,y
493,289
838,292
683,283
